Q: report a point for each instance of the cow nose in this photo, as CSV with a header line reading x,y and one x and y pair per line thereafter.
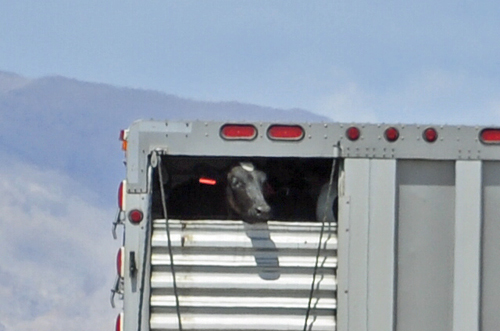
x,y
263,209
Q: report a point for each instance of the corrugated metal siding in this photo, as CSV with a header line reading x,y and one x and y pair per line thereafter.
x,y
235,276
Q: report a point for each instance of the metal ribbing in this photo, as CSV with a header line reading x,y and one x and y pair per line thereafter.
x,y
232,276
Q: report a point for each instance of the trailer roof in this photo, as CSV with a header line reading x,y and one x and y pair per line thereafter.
x,y
380,141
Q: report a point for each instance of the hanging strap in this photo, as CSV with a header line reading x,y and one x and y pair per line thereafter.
x,y
172,268
318,251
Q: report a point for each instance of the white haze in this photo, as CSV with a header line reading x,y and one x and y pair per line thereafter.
x,y
57,260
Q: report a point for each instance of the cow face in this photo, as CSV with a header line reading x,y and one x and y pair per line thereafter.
x,y
245,193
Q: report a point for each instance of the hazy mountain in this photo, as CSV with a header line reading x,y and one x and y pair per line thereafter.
x,y
61,165
73,126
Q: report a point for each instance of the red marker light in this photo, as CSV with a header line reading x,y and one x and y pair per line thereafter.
x,y
121,195
391,134
135,216
285,132
119,322
207,181
490,136
353,133
120,265
238,132
430,135
123,139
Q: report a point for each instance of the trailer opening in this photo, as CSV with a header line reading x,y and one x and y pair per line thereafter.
x,y
197,187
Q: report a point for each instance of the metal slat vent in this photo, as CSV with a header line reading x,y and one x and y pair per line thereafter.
x,y
235,276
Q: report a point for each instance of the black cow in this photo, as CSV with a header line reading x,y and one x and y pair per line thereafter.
x,y
235,193
245,193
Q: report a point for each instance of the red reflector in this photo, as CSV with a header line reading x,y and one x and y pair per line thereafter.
x,y
391,134
135,216
353,133
285,132
238,132
123,139
119,322
120,195
430,135
490,136
207,181
120,266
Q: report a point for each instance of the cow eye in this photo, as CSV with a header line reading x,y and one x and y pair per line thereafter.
x,y
235,182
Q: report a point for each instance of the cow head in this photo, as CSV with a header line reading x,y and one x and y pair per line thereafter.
x,y
245,193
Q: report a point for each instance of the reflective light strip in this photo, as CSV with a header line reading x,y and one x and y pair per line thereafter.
x,y
207,181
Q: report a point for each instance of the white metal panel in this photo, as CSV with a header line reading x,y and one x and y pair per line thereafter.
x,y
215,280
136,242
208,301
490,261
235,276
366,237
468,225
232,234
210,260
354,198
245,322
343,258
381,245
425,245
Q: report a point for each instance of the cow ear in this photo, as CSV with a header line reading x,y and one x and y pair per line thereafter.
x,y
261,176
264,177
248,166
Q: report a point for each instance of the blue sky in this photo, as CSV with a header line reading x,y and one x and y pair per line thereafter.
x,y
357,60
423,61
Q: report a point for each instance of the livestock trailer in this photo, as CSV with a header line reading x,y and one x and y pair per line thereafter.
x,y
373,227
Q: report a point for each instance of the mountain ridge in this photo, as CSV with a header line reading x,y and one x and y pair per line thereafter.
x,y
72,126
